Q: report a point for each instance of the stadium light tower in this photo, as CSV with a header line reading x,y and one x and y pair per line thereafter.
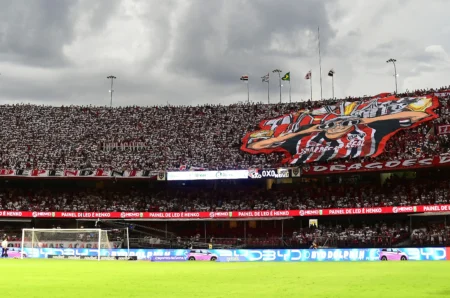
x,y
112,78
279,77
395,72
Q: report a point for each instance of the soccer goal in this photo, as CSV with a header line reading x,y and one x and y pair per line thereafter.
x,y
65,241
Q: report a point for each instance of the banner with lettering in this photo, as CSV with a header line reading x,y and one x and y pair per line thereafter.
x,y
246,255
68,244
227,214
347,129
97,173
385,166
443,129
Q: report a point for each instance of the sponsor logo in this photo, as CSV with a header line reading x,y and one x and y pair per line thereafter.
x,y
402,209
130,214
42,214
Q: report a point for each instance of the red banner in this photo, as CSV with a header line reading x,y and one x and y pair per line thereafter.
x,y
443,129
392,165
343,130
229,214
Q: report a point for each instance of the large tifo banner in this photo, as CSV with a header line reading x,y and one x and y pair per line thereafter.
x,y
228,214
348,129
254,255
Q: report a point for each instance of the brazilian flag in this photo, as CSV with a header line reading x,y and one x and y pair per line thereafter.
x,y
287,77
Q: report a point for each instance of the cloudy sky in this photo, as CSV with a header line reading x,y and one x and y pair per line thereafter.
x,y
59,52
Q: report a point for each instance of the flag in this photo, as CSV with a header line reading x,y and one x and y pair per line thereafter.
x,y
287,77
430,133
331,73
265,78
308,75
244,78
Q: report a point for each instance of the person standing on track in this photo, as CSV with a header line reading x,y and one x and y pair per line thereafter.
x,y
5,248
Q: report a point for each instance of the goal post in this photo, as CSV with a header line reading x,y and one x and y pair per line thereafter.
x,y
92,239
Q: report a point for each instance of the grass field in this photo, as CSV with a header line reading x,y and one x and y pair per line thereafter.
x,y
70,278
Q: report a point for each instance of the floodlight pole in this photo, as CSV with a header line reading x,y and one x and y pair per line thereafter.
x,y
395,72
112,78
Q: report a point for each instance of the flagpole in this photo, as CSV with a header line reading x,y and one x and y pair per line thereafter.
x,y
289,90
248,92
310,85
332,84
279,78
320,62
268,93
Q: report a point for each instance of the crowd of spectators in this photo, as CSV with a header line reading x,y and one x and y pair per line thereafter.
x,y
166,137
322,236
394,192
380,234
436,234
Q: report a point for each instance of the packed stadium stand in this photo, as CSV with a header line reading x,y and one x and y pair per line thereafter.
x,y
168,137
369,190
432,187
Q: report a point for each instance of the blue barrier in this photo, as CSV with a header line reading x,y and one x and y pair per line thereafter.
x,y
254,255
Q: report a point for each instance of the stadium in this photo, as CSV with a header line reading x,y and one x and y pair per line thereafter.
x,y
301,195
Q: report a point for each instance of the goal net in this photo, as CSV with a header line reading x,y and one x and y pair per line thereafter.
x,y
64,243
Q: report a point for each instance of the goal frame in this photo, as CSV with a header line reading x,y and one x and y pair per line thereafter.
x,y
99,231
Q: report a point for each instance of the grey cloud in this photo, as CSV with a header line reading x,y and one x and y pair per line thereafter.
x,y
97,12
385,49
33,32
195,50
251,29
354,33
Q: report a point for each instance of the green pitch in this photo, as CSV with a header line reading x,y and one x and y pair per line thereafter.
x,y
110,279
